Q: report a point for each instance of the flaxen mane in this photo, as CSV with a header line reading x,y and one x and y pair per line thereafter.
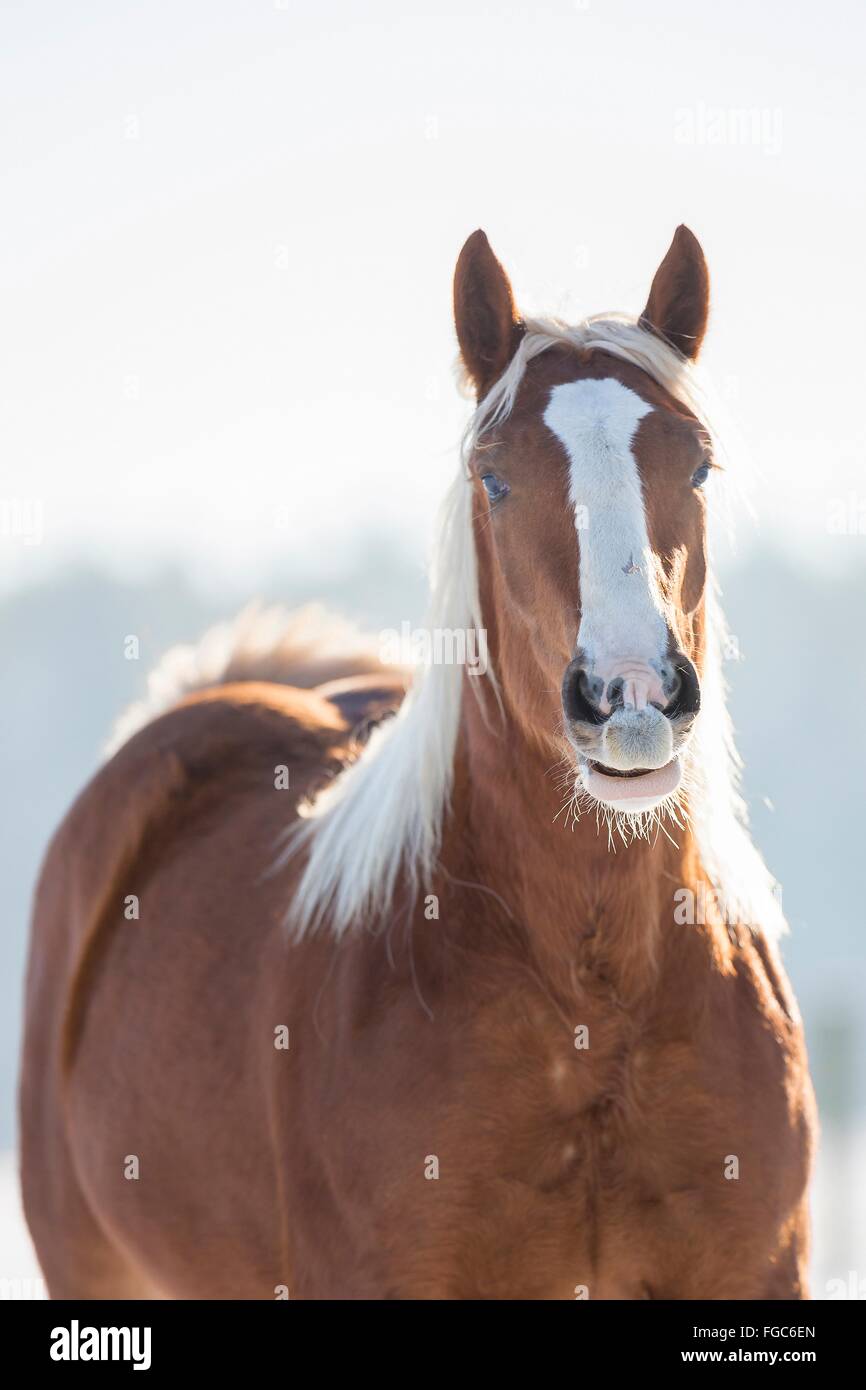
x,y
382,817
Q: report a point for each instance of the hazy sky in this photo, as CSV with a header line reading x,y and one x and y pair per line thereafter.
x,y
229,232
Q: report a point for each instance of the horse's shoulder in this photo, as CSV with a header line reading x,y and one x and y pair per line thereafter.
x,y
218,750
216,741
216,733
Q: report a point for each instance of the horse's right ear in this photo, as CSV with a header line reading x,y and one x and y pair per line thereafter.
x,y
488,325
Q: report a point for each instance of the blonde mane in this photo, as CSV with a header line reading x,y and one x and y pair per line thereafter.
x,y
381,819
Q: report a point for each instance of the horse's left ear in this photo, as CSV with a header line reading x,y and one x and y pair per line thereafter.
x,y
488,325
679,300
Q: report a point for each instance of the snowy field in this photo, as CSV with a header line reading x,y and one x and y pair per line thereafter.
x,y
19,1268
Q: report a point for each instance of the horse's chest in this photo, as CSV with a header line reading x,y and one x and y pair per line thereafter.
x,y
608,1156
531,1154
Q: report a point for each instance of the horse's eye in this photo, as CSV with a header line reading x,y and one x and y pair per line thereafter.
x,y
495,488
701,473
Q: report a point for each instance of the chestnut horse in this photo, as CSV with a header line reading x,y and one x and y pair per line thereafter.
x,y
473,994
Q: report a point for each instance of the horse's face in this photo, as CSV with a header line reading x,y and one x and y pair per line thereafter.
x,y
590,529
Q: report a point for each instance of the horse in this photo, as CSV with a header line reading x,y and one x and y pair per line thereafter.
x,y
351,981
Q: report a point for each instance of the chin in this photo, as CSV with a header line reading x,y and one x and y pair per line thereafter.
x,y
632,792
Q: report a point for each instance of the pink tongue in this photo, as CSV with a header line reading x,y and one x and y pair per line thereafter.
x,y
661,781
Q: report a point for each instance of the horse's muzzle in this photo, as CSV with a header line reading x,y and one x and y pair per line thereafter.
x,y
628,723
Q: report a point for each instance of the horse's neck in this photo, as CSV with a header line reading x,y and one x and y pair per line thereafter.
x,y
580,901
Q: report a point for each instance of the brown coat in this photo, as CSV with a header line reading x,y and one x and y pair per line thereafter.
x,y
531,1080
559,1166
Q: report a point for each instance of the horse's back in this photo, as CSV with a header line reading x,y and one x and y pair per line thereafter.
x,y
157,937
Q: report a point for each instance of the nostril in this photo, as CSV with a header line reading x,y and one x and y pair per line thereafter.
x,y
581,694
672,683
591,687
615,693
685,691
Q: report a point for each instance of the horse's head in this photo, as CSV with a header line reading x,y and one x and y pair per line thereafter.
x,y
590,522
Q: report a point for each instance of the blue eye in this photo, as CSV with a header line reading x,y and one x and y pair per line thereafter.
x,y
701,473
495,488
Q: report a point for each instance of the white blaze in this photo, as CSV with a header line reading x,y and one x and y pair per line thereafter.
x,y
621,612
